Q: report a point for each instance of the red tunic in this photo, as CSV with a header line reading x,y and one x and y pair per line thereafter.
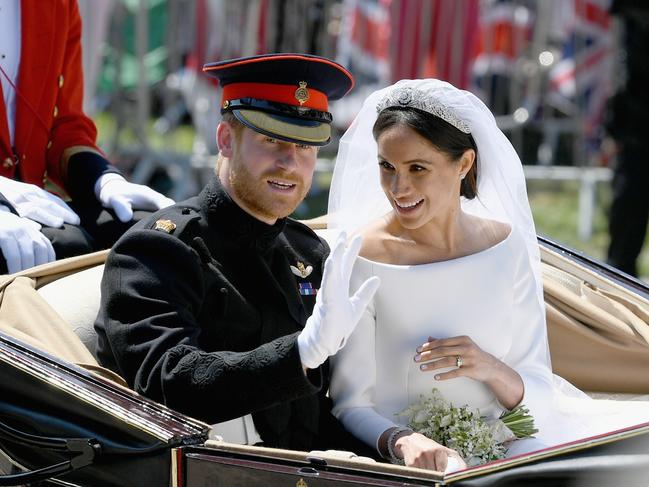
x,y
50,79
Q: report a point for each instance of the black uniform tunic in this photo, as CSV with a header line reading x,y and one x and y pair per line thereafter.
x,y
204,317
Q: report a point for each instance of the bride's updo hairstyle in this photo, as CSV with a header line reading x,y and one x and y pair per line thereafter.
x,y
444,136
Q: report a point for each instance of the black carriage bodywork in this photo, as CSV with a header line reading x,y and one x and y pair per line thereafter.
x,y
85,430
57,419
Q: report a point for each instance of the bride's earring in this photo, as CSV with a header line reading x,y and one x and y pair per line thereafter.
x,y
462,176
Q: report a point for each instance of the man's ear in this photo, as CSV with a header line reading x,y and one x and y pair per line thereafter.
x,y
225,139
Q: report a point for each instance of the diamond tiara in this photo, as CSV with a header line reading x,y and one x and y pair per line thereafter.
x,y
413,98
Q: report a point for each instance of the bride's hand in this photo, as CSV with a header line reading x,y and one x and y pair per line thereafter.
x,y
461,353
422,452
469,360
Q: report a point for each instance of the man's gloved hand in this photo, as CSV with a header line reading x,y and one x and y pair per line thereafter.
x,y
115,192
335,314
22,243
37,204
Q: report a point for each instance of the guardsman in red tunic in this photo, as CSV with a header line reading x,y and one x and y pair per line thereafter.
x,y
46,137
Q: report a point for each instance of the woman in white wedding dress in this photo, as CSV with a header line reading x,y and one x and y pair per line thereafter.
x,y
438,193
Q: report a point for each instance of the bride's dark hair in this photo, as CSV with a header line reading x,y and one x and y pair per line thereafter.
x,y
438,132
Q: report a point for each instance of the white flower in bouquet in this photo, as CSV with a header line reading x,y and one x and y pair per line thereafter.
x,y
477,439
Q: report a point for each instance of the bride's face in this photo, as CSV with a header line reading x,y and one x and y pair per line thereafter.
x,y
421,182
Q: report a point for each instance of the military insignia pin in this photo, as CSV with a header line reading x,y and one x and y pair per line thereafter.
x,y
301,271
302,94
165,226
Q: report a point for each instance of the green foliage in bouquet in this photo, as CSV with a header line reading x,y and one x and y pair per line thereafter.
x,y
520,422
477,439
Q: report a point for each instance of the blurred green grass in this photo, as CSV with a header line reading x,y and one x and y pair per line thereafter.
x,y
180,139
555,207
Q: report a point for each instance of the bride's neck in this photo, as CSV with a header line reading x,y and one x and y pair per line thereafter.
x,y
445,234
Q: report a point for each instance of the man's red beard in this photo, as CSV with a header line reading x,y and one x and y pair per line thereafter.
x,y
256,195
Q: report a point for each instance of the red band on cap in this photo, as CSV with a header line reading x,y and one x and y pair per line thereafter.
x,y
277,93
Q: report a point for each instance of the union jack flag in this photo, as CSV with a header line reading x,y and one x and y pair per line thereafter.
x,y
582,76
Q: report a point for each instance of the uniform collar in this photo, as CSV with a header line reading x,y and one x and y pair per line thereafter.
x,y
224,215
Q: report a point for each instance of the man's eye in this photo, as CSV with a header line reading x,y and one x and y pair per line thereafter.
x,y
303,146
271,140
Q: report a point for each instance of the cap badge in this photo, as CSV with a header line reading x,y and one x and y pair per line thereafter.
x,y
302,94
165,226
302,271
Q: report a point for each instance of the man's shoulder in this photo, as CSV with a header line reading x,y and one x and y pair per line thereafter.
x,y
171,226
178,220
163,240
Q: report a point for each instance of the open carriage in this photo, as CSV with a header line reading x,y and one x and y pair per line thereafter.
x,y
68,423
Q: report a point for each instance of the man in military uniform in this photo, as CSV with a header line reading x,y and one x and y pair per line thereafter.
x,y
220,306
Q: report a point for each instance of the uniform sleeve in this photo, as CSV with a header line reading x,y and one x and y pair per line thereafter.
x,y
84,168
529,354
152,290
354,377
70,127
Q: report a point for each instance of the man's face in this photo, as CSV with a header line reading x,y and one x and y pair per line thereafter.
x,y
267,177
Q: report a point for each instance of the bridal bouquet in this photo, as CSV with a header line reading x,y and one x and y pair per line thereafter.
x,y
477,439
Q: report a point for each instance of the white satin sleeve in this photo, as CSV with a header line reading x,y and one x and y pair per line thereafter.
x,y
353,376
529,354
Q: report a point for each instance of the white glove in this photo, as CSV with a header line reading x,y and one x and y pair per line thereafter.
x,y
335,314
37,204
113,191
22,243
454,464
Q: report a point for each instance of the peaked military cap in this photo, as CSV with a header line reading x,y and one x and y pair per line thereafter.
x,y
284,96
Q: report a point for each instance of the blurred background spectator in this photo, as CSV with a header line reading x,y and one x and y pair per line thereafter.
x,y
546,68
628,126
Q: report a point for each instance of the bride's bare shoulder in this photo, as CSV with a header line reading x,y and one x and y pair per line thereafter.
x,y
492,232
374,240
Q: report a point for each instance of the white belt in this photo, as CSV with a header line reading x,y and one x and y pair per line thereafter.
x,y
239,430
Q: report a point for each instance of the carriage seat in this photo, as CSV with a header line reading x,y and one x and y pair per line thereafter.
x,y
76,299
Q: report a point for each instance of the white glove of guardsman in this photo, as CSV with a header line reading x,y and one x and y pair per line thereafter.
x,y
22,243
335,314
38,205
113,191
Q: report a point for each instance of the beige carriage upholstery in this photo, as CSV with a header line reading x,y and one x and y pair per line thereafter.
x,y
598,331
52,307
